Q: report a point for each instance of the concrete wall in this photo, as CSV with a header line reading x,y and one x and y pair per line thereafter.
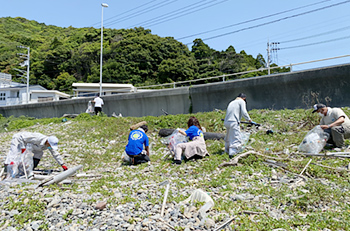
x,y
288,90
174,101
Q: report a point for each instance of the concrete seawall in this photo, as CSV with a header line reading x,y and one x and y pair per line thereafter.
x,y
287,90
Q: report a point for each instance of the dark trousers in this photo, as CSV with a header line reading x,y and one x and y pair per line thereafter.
x,y
35,162
139,159
98,109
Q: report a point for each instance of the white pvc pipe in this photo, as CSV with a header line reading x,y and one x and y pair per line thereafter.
x,y
60,177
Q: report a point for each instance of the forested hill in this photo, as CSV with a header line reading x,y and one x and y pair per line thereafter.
x,y
61,56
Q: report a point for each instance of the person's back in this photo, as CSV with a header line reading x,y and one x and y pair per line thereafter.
x,y
137,138
138,146
236,110
98,104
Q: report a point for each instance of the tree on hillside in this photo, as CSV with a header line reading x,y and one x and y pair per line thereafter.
x,y
62,55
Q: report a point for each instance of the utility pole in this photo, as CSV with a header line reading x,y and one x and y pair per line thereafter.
x,y
271,47
26,63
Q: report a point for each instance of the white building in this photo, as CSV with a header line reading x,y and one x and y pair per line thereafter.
x,y
92,89
12,93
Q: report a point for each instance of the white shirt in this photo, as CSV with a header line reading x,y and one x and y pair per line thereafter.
x,y
332,115
98,102
235,110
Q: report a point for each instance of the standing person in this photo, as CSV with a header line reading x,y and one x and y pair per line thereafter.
x,y
196,147
39,143
234,113
335,122
135,148
98,104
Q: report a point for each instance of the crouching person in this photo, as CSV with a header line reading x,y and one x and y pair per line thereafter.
x,y
38,142
137,148
196,148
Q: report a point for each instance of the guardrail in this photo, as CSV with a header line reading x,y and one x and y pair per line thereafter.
x,y
223,77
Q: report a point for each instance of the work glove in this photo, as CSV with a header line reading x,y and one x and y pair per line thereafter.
x,y
23,150
64,167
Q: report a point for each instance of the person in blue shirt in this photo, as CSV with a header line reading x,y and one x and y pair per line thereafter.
x,y
137,141
196,147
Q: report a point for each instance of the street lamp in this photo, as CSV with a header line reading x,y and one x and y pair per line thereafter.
x,y
26,63
103,5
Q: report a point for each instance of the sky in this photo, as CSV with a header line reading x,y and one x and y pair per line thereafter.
x,y
297,31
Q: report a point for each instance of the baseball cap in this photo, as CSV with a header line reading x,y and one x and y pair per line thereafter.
x,y
53,141
318,106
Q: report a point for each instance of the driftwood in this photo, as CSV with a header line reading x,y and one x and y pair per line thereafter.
x,y
170,226
329,154
251,212
235,160
136,126
226,223
165,166
335,169
70,115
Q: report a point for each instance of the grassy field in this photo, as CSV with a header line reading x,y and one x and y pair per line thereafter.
x,y
321,202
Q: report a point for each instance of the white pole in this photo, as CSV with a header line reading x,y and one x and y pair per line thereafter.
x,y
103,5
28,75
101,52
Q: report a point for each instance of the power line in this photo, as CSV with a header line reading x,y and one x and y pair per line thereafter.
x,y
274,21
316,35
98,23
178,16
257,41
144,11
167,14
252,20
316,43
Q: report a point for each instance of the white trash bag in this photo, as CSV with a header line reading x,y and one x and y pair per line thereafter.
x,y
245,139
172,140
314,140
22,166
90,108
199,195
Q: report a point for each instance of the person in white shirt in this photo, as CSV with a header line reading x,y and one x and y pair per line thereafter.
x,y
235,111
98,104
39,143
335,122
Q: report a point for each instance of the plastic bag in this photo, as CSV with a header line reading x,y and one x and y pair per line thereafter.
x,y
245,139
90,108
22,165
25,166
314,140
199,195
174,139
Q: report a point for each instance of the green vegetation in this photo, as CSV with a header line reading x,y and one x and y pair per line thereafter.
x,y
320,203
61,56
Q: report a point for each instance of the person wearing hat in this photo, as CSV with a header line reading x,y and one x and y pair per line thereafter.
x,y
335,122
235,111
38,143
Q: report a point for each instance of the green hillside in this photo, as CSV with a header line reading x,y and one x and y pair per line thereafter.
x,y
61,56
